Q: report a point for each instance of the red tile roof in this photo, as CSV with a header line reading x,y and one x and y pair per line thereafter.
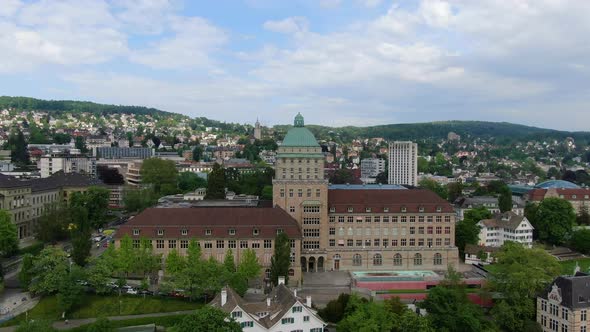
x,y
581,194
395,200
218,220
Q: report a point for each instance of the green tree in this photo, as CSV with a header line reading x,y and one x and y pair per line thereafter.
x,y
70,290
281,259
449,308
49,269
455,190
81,233
229,263
216,183
409,321
333,312
53,225
189,181
159,173
554,220
137,200
434,186
505,199
342,176
583,217
267,192
99,274
198,153
80,144
580,241
175,263
519,275
8,236
25,275
18,148
249,266
467,230
365,316
207,318
96,202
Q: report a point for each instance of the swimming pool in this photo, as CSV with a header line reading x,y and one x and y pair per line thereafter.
x,y
393,275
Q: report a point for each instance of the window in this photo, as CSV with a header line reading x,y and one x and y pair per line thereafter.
x,y
160,232
332,219
290,192
135,231
306,318
243,244
397,260
564,313
135,243
255,244
160,244
232,231
583,315
267,244
299,192
421,209
332,243
350,219
289,320
332,231
292,209
247,324
377,260
412,242
311,232
207,232
340,218
172,244
357,260
332,209
316,329
386,219
350,242
311,209
236,314
279,231
283,192
184,232
231,244
417,259
438,209
220,244
208,245
437,259
350,210
255,231
308,192
297,309
317,193
412,230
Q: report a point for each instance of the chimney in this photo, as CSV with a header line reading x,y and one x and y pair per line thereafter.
x,y
268,301
295,292
281,280
308,301
223,297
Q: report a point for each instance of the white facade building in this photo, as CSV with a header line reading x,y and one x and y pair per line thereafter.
x,y
370,168
506,226
403,163
281,311
68,163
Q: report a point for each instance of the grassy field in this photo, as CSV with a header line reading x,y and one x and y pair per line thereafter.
x,y
567,267
99,306
166,321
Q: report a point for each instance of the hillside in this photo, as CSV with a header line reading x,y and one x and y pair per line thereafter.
x,y
64,106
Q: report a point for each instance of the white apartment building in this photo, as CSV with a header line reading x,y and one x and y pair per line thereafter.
x,y
403,163
68,163
282,311
506,226
370,168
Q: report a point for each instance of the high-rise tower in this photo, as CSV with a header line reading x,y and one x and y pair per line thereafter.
x,y
403,163
300,189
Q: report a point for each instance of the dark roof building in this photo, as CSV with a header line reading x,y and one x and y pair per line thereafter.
x,y
564,305
411,201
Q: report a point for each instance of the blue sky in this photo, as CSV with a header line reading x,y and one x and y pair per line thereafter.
x,y
338,62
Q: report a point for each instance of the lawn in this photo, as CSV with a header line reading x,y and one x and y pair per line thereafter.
x,y
166,321
97,306
567,267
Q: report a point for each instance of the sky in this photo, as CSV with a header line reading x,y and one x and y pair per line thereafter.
x,y
338,62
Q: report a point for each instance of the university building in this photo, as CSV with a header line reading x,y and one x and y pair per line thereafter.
x,y
565,304
332,227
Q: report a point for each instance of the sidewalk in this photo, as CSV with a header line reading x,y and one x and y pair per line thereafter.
x,y
61,325
14,302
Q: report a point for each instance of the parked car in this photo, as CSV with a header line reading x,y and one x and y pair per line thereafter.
x,y
129,290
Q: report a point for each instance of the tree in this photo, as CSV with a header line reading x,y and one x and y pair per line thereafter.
x,y
267,192
70,290
505,199
80,144
99,274
25,274
281,259
175,263
449,308
189,181
160,173
137,200
467,230
81,233
49,269
342,176
96,202
554,220
409,321
365,316
249,266
434,186
18,148
229,264
52,226
395,305
520,273
580,241
8,236
207,318
455,190
216,183
583,217
198,153
333,312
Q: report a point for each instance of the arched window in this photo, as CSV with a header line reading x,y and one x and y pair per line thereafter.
x,y
291,272
357,260
417,259
377,260
397,260
438,260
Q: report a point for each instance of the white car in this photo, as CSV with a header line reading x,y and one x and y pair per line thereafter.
x,y
130,290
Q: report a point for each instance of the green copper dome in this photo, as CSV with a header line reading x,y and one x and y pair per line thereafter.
x,y
299,135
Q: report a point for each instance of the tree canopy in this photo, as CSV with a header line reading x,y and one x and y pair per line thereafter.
x,y
281,259
8,235
161,174
554,220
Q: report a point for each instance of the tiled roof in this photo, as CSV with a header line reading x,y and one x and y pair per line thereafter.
x,y
505,220
412,199
581,194
63,180
217,219
7,181
473,249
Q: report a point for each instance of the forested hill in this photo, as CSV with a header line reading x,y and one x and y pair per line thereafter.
x,y
72,106
439,130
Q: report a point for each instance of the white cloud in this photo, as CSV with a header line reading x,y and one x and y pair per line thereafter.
x,y
288,25
190,46
9,7
436,13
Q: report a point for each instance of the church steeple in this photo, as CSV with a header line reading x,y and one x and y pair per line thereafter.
x,y
299,120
